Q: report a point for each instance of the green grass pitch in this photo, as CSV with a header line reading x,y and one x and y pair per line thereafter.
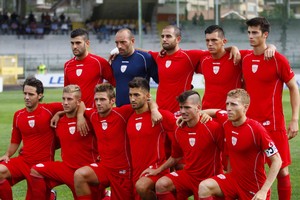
x,y
10,101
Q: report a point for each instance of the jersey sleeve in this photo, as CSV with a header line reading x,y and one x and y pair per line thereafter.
x,y
221,116
126,111
285,71
53,107
16,136
176,150
154,54
152,68
66,80
107,72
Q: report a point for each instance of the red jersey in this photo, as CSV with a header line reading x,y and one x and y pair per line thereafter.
x,y
33,128
147,143
175,74
112,139
247,146
87,73
221,76
264,81
76,150
201,147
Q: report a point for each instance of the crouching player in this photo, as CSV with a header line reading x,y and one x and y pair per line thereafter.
x,y
247,145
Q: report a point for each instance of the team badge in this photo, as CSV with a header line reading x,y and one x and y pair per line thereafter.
x,y
31,123
233,141
192,141
78,72
254,68
138,126
104,125
216,69
72,129
168,63
123,68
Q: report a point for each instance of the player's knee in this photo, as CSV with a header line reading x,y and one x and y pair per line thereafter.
x,y
283,172
34,171
142,187
81,174
205,188
162,185
3,171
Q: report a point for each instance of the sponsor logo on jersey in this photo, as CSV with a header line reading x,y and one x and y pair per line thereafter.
x,y
174,174
31,123
138,126
192,141
122,171
94,165
254,68
40,165
266,123
221,176
78,72
234,132
216,69
123,68
72,130
168,63
233,141
104,125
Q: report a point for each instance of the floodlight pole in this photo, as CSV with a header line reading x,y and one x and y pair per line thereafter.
x,y
217,12
177,13
140,23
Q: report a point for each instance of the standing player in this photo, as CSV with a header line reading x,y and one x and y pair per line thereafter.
x,y
247,145
146,141
200,146
85,69
264,81
76,150
130,63
31,125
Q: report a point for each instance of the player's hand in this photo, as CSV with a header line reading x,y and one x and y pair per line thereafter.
x,y
113,54
269,52
260,195
204,117
156,117
5,158
293,129
179,121
54,120
82,126
235,54
149,172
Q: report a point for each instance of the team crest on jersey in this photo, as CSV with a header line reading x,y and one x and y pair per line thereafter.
x,y
192,141
216,69
233,141
31,123
72,129
78,72
168,63
104,125
123,68
138,126
254,68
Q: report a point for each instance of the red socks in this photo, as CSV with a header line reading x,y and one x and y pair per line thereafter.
x,y
5,190
284,187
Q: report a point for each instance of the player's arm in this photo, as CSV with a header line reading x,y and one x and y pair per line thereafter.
x,y
273,171
293,127
55,118
269,52
11,150
234,53
168,164
155,114
82,125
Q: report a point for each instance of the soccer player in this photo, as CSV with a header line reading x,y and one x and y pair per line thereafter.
x,y
264,80
76,150
130,63
146,141
31,125
247,145
86,70
199,144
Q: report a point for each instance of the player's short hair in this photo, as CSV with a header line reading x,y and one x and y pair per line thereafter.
x,y
73,89
185,95
106,87
139,82
34,82
262,22
240,93
130,34
215,28
80,32
177,31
